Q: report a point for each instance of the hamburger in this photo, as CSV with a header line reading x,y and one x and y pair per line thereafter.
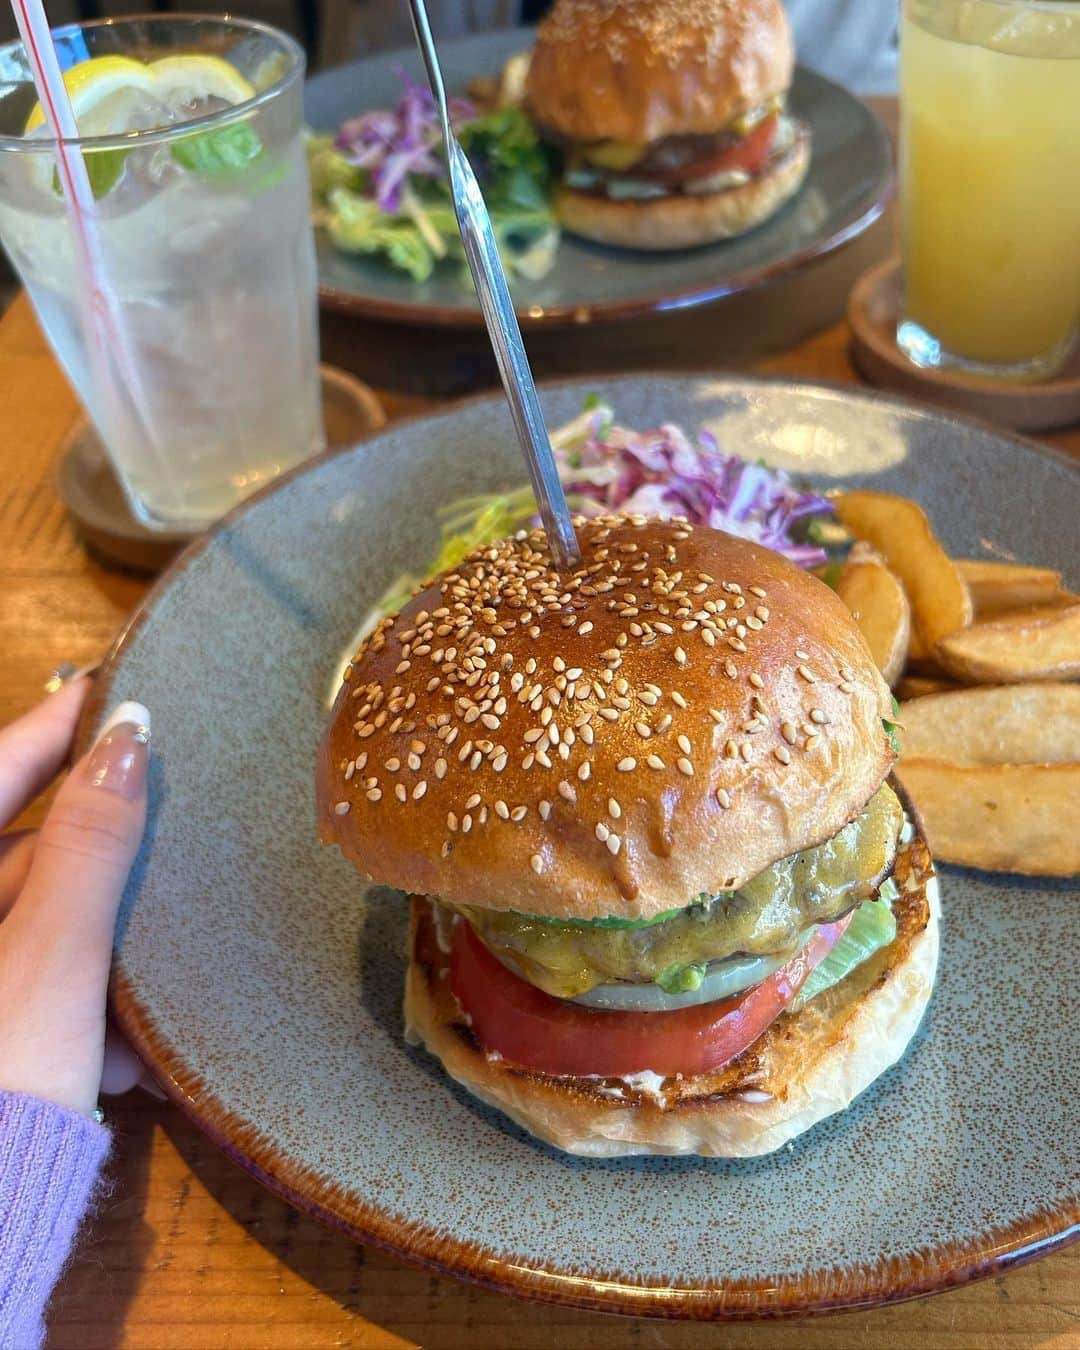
x,y
671,116
664,898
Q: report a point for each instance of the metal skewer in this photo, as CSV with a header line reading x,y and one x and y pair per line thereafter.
x,y
486,267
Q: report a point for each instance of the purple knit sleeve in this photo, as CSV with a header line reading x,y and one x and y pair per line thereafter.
x,y
50,1158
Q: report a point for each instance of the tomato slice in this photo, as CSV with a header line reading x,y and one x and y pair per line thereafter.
x,y
537,1031
748,153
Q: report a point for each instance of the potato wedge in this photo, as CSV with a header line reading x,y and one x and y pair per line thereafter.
x,y
898,529
1033,644
995,724
880,607
997,586
1002,817
921,686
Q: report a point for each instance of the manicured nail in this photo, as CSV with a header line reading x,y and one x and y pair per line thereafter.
x,y
121,752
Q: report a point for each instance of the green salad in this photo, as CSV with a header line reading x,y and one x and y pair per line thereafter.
x,y
379,186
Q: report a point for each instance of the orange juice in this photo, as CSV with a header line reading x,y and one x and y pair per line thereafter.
x,y
990,179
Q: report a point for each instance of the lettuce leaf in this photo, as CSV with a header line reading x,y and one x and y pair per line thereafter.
x,y
357,225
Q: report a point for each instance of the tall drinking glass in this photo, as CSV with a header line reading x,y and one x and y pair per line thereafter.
x,y
990,183
203,215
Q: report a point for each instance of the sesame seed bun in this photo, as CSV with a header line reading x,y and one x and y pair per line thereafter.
x,y
671,719
808,1064
684,219
639,70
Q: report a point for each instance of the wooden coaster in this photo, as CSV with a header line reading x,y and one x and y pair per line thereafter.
x,y
95,501
873,311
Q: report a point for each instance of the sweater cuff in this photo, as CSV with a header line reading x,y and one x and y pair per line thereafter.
x,y
50,1159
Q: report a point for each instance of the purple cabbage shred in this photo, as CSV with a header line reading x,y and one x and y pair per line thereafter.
x,y
392,144
663,473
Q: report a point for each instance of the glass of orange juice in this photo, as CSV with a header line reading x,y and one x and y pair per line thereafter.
x,y
990,184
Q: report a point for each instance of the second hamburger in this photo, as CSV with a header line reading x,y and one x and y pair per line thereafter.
x,y
671,116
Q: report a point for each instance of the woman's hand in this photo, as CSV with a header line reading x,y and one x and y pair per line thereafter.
x,y
60,890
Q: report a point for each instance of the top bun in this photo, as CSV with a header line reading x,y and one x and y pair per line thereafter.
x,y
639,70
671,719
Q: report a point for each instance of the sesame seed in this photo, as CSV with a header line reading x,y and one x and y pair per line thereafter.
x,y
627,765
545,810
350,769
392,765
583,770
602,831
451,821
466,823
730,669
807,674
419,790
643,730
800,655
680,656
609,714
783,754
518,814
342,809
614,843
374,794
787,730
655,762
585,628
502,810
400,792
723,797
567,791
414,762
685,767
756,680
474,800
683,742
536,863
717,716
708,637
817,715
678,699
446,847
614,809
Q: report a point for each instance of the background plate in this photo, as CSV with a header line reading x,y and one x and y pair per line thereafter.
x,y
264,984
849,178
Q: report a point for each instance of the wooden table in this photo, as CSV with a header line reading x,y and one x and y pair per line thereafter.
x,y
189,1252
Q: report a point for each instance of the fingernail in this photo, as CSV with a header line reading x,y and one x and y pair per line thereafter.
x,y
121,752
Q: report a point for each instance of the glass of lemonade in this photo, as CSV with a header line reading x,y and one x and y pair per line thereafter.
x,y
990,184
191,131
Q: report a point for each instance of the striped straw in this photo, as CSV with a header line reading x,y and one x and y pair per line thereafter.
x,y
103,328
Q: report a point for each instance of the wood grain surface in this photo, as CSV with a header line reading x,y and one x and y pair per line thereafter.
x,y
187,1252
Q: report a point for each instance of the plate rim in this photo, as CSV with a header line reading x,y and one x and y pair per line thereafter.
x,y
812,1291
431,315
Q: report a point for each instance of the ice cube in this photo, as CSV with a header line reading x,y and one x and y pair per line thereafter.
x,y
125,111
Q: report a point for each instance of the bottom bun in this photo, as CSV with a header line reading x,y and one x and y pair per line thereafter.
x,y
808,1065
686,220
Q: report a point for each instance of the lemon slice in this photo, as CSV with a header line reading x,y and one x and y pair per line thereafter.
x,y
174,81
91,82
183,80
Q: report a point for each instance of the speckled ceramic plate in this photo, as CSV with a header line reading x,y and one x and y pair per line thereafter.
x,y
844,192
263,982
